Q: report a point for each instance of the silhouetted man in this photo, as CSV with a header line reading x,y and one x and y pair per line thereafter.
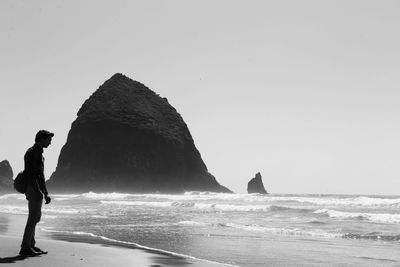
x,y
36,191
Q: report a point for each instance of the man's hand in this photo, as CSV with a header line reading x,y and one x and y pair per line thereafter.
x,y
47,199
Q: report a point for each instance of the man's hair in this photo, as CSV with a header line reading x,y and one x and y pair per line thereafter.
x,y
43,134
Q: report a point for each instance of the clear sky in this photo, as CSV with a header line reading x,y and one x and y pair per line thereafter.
x,y
306,92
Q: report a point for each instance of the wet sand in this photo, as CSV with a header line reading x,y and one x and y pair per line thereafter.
x,y
72,251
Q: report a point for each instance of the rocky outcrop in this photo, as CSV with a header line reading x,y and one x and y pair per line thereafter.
x,y
128,138
6,177
256,185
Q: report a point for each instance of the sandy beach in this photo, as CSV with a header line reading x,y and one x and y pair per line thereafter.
x,y
79,252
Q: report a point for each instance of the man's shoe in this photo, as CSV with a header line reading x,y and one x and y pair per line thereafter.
x,y
38,250
28,252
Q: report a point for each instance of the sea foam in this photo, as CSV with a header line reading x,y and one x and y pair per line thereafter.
x,y
346,202
263,229
374,217
18,196
359,201
177,204
11,209
92,195
137,203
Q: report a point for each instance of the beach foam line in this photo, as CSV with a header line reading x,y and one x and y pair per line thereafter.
x,y
298,232
209,196
137,203
192,223
363,201
92,195
6,196
13,209
58,210
80,233
374,217
23,210
316,233
372,236
348,202
284,231
174,197
230,207
206,206
66,195
213,206
263,229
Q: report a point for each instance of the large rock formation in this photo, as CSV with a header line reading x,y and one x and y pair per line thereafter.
x,y
6,177
127,138
256,185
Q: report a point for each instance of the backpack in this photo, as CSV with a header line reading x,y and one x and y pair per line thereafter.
x,y
21,183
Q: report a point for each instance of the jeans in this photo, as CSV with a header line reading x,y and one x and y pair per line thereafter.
x,y
35,213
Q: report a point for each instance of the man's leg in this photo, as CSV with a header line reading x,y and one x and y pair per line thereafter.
x,y
33,241
35,213
38,212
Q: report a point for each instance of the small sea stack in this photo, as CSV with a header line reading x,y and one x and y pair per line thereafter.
x,y
256,185
6,177
127,138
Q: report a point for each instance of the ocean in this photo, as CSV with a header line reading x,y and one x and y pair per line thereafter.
x,y
233,229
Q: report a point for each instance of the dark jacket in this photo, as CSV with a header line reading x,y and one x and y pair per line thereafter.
x,y
34,171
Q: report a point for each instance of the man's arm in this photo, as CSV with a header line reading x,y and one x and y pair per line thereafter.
x,y
40,181
41,184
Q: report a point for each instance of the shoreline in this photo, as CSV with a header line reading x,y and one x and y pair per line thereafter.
x,y
74,250
291,230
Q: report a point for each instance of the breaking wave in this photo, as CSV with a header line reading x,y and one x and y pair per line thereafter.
x,y
17,196
373,217
337,201
23,210
204,206
208,206
363,201
92,195
137,203
321,200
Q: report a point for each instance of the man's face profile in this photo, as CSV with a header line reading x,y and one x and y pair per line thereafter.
x,y
45,142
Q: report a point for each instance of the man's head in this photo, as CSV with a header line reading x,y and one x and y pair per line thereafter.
x,y
43,138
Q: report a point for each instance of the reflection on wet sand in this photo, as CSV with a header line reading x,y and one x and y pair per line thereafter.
x,y
160,258
3,224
